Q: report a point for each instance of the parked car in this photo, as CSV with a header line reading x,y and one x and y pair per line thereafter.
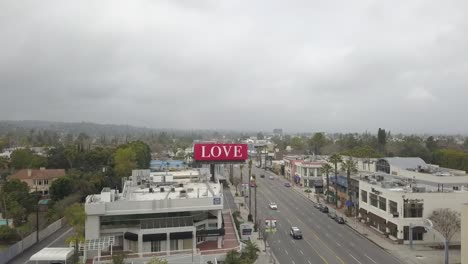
x,y
318,205
271,177
340,220
262,176
332,215
296,233
324,209
287,184
273,206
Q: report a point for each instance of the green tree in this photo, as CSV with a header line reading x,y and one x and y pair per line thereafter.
x,y
8,234
251,250
317,141
297,143
335,159
75,216
60,188
17,191
431,143
326,168
56,158
21,159
232,257
381,138
350,166
3,163
124,162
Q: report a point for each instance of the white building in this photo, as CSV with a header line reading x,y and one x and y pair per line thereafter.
x,y
464,234
164,214
392,203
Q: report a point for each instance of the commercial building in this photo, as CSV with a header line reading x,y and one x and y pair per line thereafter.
x,y
303,170
163,214
39,180
394,204
464,234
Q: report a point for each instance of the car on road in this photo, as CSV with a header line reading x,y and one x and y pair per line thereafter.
x,y
273,206
324,209
340,220
332,215
262,176
287,184
318,206
295,232
271,177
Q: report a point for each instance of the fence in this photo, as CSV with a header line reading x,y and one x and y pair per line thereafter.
x,y
27,242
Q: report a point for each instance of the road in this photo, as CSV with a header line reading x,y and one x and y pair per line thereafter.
x,y
57,239
325,241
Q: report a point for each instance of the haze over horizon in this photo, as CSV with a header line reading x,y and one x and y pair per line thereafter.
x,y
240,65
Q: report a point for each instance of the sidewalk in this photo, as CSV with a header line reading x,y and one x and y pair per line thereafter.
x,y
420,254
264,256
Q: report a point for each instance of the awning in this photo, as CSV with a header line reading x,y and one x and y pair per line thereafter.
x,y
181,235
154,237
52,254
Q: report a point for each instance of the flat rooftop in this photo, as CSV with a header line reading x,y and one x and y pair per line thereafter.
x,y
405,184
188,191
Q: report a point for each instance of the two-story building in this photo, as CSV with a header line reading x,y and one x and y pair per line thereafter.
x,y
163,214
392,204
39,180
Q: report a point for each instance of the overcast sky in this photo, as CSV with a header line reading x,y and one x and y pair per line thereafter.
x,y
298,65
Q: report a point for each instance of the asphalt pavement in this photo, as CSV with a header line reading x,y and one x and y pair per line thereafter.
x,y
57,239
325,241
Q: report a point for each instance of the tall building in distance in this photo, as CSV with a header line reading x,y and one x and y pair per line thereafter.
x,y
278,132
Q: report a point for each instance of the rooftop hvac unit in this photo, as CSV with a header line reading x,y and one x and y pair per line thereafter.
x,y
172,189
419,189
189,189
373,181
161,189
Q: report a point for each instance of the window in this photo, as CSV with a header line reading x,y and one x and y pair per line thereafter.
x,y
413,209
393,207
373,199
46,182
383,203
174,244
364,196
40,182
418,233
155,246
35,182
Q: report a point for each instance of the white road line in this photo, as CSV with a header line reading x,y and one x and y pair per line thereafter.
x,y
294,242
286,252
309,262
301,252
371,259
355,259
293,262
338,244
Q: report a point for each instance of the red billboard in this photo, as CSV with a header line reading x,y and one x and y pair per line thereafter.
x,y
220,152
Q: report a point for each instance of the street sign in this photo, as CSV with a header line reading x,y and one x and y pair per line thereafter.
x,y
217,200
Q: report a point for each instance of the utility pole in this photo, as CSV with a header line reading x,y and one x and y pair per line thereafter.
x,y
37,218
5,210
249,217
256,203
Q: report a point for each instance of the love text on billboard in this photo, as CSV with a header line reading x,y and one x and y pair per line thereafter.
x,y
220,152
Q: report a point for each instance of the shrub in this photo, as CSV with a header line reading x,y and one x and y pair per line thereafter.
x,y
8,234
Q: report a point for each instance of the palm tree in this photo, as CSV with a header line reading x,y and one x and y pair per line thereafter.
x,y
335,158
350,166
232,257
251,250
326,168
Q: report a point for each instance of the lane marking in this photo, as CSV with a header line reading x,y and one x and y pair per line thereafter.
x,y
309,262
293,262
286,252
355,259
370,259
301,252
338,244
294,242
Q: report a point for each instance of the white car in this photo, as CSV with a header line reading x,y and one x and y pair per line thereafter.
x,y
273,206
271,177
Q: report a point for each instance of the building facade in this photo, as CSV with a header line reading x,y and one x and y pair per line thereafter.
x,y
162,212
394,205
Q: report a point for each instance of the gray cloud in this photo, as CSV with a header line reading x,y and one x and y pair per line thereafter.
x,y
301,65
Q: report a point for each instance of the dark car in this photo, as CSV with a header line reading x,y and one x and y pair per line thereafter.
x,y
296,233
262,176
287,184
340,220
332,215
324,209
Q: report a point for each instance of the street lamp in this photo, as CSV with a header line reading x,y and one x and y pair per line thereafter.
x,y
428,225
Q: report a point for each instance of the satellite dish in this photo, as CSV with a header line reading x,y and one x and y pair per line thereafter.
x,y
428,225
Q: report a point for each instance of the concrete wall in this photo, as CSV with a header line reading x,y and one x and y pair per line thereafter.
x,y
464,235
